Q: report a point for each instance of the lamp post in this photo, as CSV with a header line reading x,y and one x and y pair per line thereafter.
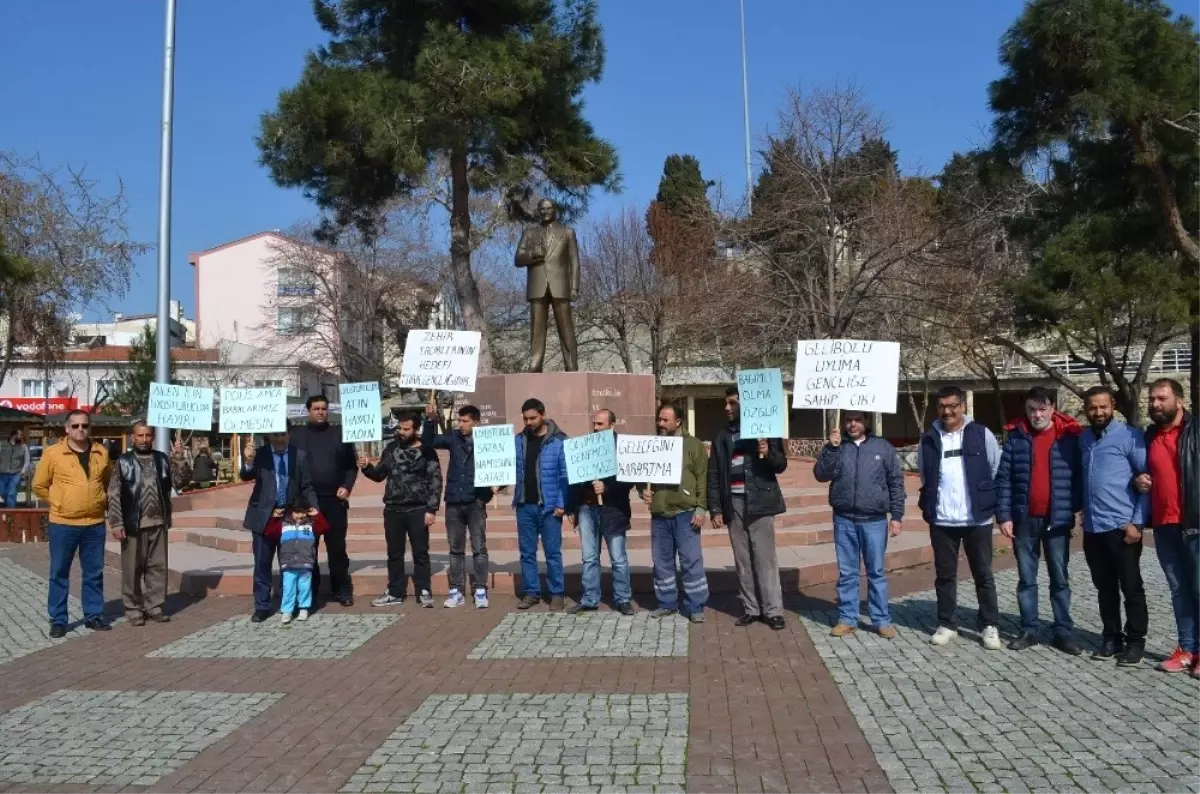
x,y
162,348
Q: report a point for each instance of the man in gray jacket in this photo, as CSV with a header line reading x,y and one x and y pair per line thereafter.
x,y
866,484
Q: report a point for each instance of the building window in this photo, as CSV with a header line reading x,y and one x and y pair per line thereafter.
x,y
33,388
293,282
268,384
106,389
295,320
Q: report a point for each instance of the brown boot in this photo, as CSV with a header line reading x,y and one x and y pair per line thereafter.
x,y
557,603
842,630
888,632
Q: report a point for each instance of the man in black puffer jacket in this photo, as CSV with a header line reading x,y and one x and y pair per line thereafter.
x,y
866,484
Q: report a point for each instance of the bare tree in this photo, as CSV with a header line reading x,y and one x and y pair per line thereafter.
x,y
73,244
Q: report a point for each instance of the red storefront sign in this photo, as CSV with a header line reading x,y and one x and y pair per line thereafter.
x,y
38,405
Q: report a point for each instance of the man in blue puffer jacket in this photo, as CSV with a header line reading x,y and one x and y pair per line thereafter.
x,y
1037,497
540,500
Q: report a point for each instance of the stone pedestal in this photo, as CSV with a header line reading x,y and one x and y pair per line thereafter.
x,y
570,397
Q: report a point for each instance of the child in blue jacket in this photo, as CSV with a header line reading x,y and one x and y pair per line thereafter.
x,y
296,531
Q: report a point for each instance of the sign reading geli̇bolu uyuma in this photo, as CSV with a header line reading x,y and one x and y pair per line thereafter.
x,y
445,360
847,374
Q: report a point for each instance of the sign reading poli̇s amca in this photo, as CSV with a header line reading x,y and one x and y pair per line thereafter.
x,y
253,410
445,360
650,459
847,374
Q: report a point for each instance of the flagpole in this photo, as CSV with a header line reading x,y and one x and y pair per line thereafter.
x,y
162,350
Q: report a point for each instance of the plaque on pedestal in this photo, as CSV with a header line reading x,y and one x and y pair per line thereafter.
x,y
571,399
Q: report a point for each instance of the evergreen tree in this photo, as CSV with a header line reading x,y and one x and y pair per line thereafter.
x,y
682,190
131,396
1109,92
493,88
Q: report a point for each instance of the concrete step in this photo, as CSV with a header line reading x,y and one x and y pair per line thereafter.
x,y
200,570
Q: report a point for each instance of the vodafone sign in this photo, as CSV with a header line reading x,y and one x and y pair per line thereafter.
x,y
38,405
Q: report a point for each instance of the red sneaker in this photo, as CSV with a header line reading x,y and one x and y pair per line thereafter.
x,y
1178,662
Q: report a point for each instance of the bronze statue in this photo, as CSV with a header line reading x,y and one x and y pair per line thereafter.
x,y
551,253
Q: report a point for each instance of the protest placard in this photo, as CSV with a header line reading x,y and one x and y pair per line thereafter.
x,y
590,457
362,419
495,456
650,459
180,407
760,395
849,374
253,410
445,360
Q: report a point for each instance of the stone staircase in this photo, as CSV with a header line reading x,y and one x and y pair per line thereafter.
x,y
210,552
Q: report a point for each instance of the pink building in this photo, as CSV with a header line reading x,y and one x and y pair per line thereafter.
x,y
280,294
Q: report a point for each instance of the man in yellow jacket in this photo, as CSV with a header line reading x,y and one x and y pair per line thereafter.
x,y
73,477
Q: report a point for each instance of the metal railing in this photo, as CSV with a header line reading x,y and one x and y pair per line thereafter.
x,y
1176,358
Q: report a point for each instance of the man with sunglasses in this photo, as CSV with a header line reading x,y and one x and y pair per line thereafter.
x,y
73,477
865,485
958,459
280,472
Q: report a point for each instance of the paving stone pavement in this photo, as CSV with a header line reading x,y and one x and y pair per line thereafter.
x,y
322,636
960,718
24,627
108,738
542,635
522,742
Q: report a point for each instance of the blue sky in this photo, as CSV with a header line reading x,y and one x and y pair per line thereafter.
x,y
82,86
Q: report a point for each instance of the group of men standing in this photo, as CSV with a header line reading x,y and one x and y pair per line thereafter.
x,y
1119,480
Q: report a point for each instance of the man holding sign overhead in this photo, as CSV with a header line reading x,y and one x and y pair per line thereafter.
x,y
744,495
599,508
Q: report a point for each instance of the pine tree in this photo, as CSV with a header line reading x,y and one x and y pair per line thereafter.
x,y
131,396
493,88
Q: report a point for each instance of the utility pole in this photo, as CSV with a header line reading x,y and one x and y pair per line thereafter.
x,y
162,349
746,112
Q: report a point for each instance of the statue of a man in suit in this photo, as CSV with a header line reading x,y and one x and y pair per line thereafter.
x,y
551,253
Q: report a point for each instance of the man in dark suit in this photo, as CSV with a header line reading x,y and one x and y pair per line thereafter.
x,y
280,473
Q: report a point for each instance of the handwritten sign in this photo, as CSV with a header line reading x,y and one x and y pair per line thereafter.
x,y
447,360
180,407
495,456
850,374
652,459
590,457
253,410
362,419
760,394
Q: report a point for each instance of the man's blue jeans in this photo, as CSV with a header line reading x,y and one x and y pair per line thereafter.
x,y
65,540
675,536
1031,537
534,522
866,541
591,530
8,488
1180,560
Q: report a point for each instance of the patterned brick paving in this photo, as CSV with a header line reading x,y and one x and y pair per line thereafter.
x,y
763,713
1037,721
322,636
24,627
587,634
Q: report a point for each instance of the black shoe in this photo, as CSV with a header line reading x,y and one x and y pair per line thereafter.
x,y
626,609
96,624
346,600
1067,645
745,620
777,623
57,631
575,609
1022,641
1109,648
259,616
1132,656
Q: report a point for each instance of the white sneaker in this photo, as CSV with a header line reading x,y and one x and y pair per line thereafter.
x,y
991,638
481,599
285,618
387,600
425,600
303,615
455,599
943,636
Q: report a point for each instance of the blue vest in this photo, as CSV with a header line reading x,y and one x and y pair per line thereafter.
x,y
981,489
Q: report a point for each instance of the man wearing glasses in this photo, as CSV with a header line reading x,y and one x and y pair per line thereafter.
x,y
73,477
280,473
958,459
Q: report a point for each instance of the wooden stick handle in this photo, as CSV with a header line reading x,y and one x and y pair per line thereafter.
x,y
600,498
